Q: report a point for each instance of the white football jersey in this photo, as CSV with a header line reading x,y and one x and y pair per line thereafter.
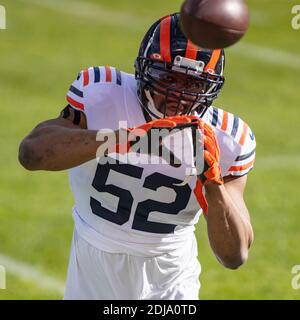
x,y
133,207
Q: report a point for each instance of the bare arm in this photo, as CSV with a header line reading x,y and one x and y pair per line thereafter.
x,y
58,144
228,223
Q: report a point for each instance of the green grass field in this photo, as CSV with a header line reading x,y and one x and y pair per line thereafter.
x,y
48,41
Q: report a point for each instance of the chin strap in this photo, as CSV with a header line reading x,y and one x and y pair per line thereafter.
x,y
154,113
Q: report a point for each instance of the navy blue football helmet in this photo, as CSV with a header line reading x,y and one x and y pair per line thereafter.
x,y
186,77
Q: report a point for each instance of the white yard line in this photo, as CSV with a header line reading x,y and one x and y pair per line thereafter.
x,y
268,55
91,11
97,13
32,274
260,18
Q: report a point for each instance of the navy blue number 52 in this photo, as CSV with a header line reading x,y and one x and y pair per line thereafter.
x,y
153,182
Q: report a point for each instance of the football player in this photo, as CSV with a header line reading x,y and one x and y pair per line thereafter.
x,y
134,222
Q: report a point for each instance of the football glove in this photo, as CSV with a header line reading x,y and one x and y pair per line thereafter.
x,y
211,171
143,132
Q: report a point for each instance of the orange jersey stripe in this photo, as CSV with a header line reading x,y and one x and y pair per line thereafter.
x,y
108,74
165,37
75,103
191,51
86,77
244,134
213,60
225,121
241,168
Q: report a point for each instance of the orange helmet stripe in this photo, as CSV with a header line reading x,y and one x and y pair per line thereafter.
x,y
165,37
213,60
191,50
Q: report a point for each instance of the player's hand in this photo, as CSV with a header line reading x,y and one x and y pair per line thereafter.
x,y
211,155
134,135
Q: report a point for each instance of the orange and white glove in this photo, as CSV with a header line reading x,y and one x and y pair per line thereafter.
x,y
211,156
143,131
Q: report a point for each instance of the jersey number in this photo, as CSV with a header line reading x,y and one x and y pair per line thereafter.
x,y
144,208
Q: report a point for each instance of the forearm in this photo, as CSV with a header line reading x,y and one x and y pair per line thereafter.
x,y
229,231
56,148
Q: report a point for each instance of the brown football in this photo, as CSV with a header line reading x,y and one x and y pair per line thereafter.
x,y
214,24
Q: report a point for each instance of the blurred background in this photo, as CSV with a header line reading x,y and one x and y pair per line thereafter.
x,y
44,46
